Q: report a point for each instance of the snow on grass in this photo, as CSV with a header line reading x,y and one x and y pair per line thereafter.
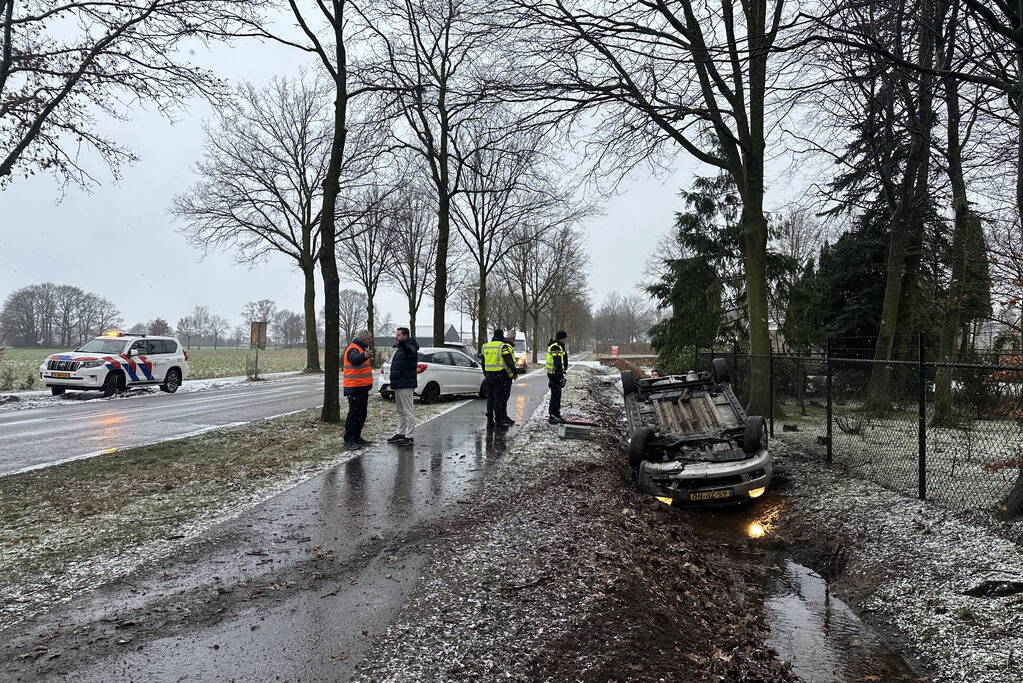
x,y
959,472
912,563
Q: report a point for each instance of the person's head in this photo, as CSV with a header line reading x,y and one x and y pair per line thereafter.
x,y
363,336
402,333
561,337
498,334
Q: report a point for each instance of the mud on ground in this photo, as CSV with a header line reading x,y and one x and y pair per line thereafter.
x,y
558,570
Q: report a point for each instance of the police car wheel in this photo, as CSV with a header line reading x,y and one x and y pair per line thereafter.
x,y
57,391
171,382
111,384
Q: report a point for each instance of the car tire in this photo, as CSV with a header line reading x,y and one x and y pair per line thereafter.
x,y
172,381
638,444
57,391
112,384
722,371
431,393
628,382
755,439
484,391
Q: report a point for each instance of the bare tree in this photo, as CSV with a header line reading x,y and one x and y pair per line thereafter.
x,y
430,58
352,312
652,78
259,311
367,255
158,327
288,328
55,315
260,187
328,30
414,249
65,64
217,326
507,197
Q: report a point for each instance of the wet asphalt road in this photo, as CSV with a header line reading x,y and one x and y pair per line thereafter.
x,y
39,436
294,589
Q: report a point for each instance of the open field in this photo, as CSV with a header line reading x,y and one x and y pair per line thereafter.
x,y
19,367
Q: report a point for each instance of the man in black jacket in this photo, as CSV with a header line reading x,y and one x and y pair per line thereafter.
x,y
403,381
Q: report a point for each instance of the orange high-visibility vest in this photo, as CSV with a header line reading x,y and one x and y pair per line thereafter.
x,y
356,375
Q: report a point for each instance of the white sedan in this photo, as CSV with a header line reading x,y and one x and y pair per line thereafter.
x,y
441,372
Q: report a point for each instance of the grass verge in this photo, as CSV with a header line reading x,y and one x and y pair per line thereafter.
x,y
65,527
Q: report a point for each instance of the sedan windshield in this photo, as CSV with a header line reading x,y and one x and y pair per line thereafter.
x,y
102,346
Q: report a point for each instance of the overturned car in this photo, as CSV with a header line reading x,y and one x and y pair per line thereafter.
x,y
691,441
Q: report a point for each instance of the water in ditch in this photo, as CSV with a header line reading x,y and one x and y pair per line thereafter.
x,y
816,632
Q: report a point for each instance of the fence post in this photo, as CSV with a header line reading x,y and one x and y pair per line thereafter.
x,y
827,363
921,419
770,382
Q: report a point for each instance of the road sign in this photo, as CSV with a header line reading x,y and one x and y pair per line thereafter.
x,y
257,334
614,351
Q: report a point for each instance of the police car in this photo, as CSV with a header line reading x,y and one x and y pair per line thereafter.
x,y
115,361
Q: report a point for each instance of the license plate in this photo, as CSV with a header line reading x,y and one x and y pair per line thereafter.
x,y
711,495
61,375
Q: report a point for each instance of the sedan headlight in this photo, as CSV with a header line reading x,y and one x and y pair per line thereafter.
x,y
91,364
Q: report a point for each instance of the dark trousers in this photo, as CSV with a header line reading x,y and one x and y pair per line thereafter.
x,y
505,395
554,381
495,389
358,402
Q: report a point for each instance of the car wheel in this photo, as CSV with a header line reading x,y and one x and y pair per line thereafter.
x,y
431,393
483,390
628,382
722,371
638,444
57,391
755,439
111,384
172,381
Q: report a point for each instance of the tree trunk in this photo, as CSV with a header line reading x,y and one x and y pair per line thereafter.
x,y
536,334
331,411
412,319
754,237
312,346
878,398
951,322
481,330
370,322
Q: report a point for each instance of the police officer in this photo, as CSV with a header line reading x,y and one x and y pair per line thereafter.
x,y
508,354
498,367
557,366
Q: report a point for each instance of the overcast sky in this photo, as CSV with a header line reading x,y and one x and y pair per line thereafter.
x,y
120,242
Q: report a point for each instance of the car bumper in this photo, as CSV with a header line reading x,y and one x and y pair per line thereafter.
x,y
705,482
81,380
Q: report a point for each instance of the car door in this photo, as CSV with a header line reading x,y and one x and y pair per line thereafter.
x,y
469,376
445,372
159,357
138,366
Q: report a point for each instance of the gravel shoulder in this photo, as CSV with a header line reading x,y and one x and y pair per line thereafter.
x,y
948,589
558,571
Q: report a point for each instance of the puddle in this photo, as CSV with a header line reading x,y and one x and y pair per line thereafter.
x,y
816,632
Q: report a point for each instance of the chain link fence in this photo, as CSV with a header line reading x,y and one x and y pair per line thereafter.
x,y
946,432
